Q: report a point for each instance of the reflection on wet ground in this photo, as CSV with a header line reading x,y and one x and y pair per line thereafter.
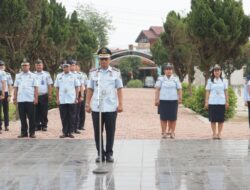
x,y
139,164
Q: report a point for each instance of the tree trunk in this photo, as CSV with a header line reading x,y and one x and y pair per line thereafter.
x,y
207,76
229,79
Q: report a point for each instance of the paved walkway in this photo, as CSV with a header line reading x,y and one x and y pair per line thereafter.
x,y
139,165
141,121
143,161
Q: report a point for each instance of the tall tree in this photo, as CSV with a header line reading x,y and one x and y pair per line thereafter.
x,y
245,58
218,28
16,27
181,52
85,41
99,23
159,52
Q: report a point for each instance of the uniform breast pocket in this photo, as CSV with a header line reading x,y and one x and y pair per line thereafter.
x,y
110,82
28,82
217,87
169,84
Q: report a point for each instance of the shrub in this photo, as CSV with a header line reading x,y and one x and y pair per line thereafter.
x,y
232,104
135,84
186,93
52,103
196,102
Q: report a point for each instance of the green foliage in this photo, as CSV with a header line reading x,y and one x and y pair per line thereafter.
x,y
232,104
159,52
12,112
43,29
129,68
218,29
135,84
181,53
186,91
196,102
99,23
245,57
52,103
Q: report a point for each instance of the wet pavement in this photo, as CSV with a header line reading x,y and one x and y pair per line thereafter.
x,y
139,165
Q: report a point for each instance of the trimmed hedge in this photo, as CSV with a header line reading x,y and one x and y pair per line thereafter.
x,y
196,101
135,84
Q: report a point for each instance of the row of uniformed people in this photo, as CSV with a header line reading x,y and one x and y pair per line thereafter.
x,y
104,93
6,90
169,94
32,93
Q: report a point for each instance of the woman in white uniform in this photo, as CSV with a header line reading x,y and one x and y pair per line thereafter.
x,y
167,96
216,100
247,96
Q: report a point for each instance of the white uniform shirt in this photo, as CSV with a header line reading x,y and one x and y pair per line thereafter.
x,y
168,87
67,84
217,91
3,77
246,92
26,83
9,81
107,81
84,78
44,80
78,77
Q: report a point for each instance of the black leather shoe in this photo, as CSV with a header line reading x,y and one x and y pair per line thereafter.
x,y
81,128
22,136
63,136
71,136
6,128
77,132
97,160
110,158
44,129
33,136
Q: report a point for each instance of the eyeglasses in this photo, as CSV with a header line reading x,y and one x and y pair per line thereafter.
x,y
104,59
25,65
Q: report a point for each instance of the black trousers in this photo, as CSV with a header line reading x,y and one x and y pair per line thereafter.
x,y
109,121
5,105
77,116
67,114
27,109
82,115
248,105
42,112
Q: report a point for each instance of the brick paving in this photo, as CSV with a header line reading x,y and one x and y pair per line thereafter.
x,y
141,121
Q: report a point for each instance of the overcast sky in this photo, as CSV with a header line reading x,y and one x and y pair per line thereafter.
x,y
132,16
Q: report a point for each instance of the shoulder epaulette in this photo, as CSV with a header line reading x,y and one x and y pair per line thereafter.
x,y
115,69
92,70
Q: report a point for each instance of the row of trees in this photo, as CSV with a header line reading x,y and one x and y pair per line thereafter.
x,y
42,29
214,32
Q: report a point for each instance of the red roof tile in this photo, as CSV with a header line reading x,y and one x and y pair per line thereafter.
x,y
151,34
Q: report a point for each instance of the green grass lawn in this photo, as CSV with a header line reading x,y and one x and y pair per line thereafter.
x,y
12,112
